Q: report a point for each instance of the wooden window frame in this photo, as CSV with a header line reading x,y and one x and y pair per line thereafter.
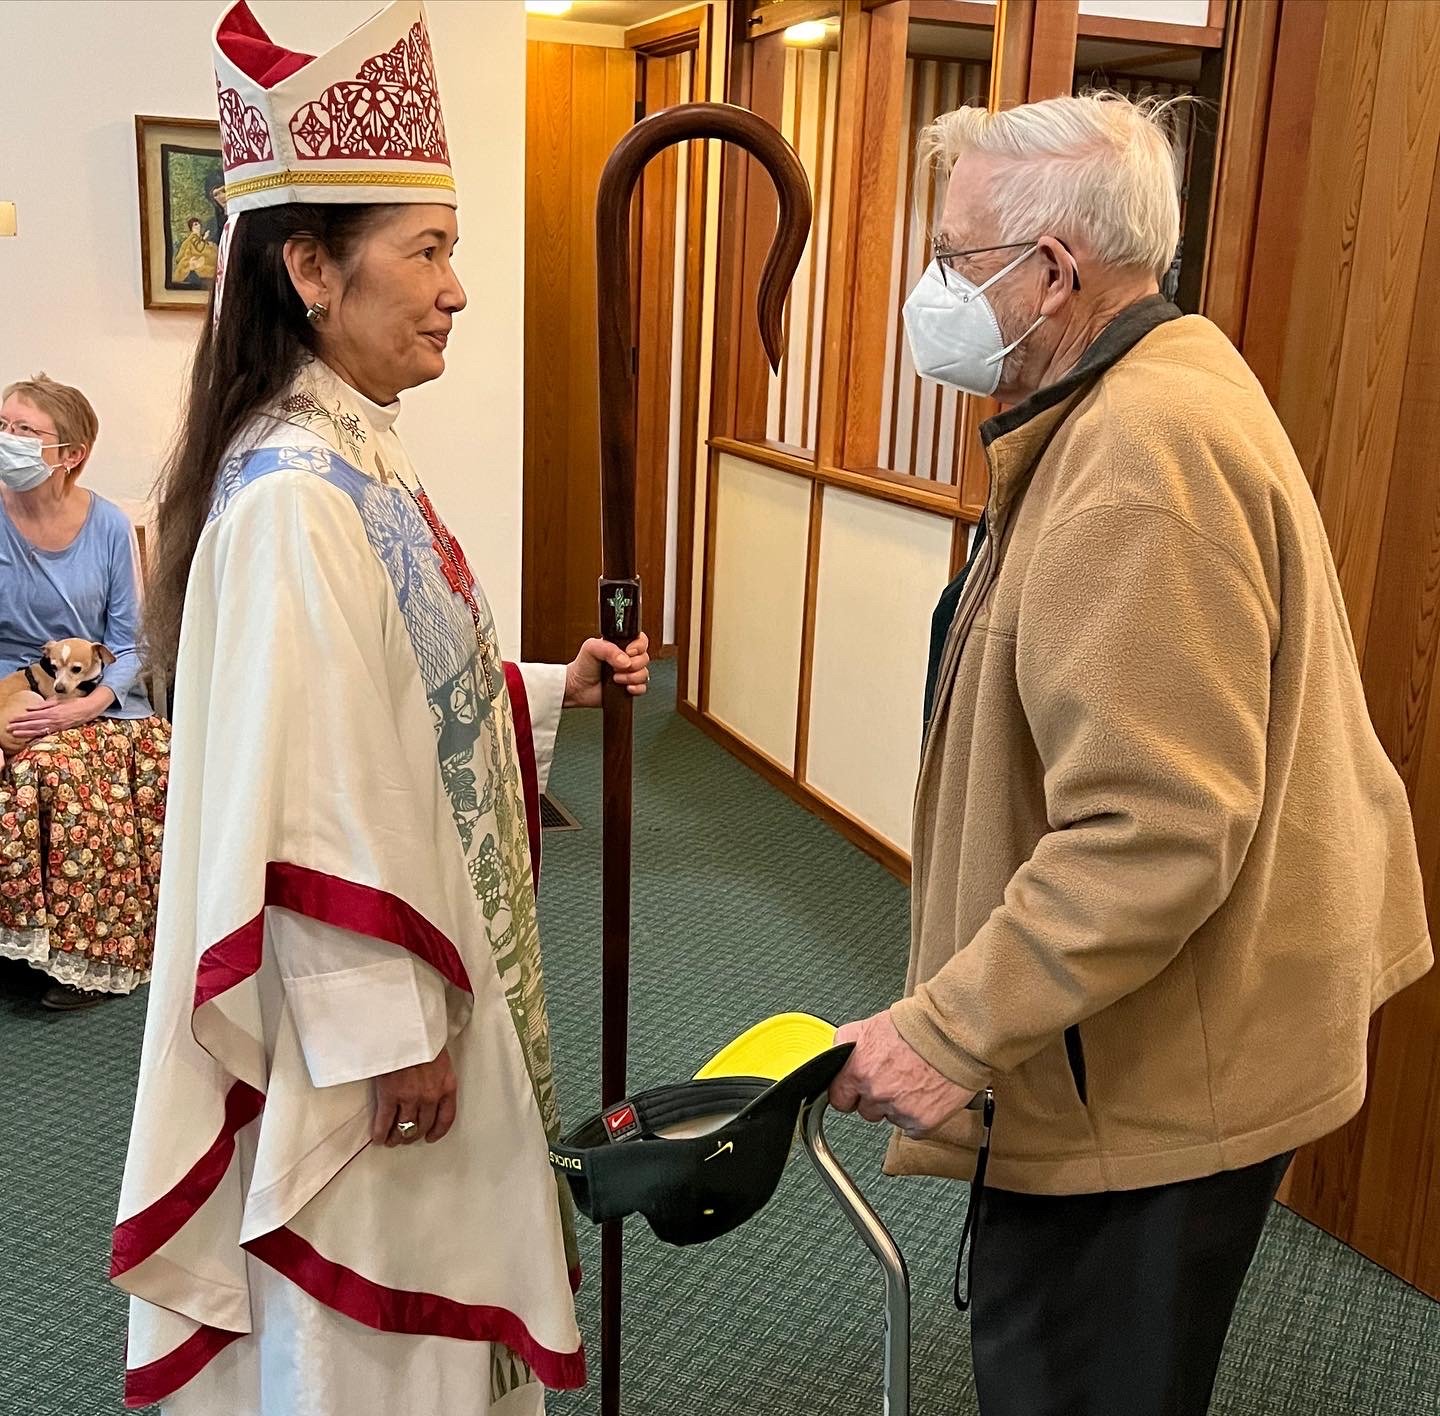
x,y
1033,56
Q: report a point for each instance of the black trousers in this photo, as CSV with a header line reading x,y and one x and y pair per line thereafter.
x,y
1114,1304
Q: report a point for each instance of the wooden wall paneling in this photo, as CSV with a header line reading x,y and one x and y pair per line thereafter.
x,y
707,603
670,34
724,400
1244,115
959,547
839,285
1034,55
1285,181
807,632
777,15
1404,631
1010,62
954,12
1298,327
660,80
604,108
1210,36
580,101
1202,161
1383,293
974,469
1346,233
874,482
1376,1184
872,234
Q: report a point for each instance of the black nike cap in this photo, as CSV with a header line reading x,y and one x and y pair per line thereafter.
x,y
644,1155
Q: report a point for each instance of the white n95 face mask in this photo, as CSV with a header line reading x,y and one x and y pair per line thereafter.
x,y
22,468
955,337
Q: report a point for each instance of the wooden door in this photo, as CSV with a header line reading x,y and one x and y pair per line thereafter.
x,y
1335,315
580,101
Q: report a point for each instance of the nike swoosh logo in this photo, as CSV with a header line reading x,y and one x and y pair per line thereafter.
x,y
728,1146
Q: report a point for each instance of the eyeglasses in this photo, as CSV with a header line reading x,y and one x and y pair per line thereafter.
x,y
945,257
24,430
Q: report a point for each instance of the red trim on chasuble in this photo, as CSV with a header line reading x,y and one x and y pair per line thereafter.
x,y
225,964
134,1240
151,1384
411,1312
362,909
529,772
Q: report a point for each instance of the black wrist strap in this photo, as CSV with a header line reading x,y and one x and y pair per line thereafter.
x,y
970,1234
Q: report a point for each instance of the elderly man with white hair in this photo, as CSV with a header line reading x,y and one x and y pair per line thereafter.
x,y
1163,869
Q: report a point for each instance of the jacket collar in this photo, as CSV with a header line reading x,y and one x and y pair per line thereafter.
x,y
1015,439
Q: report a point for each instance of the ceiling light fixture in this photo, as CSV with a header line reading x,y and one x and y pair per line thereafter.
x,y
8,224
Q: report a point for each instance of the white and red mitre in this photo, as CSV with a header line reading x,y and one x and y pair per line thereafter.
x,y
360,123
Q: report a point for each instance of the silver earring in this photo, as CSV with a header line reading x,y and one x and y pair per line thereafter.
x,y
317,312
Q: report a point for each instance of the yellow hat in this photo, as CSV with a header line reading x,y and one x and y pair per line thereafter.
x,y
772,1049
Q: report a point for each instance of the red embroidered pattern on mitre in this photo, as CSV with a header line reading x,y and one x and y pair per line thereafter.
x,y
391,109
244,136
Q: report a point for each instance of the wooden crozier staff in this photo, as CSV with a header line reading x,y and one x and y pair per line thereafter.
x,y
619,584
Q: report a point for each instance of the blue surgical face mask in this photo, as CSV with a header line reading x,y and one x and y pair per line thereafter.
x,y
22,466
955,336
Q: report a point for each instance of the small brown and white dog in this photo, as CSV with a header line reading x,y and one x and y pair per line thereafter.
x,y
68,668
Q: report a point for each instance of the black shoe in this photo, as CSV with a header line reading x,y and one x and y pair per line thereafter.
x,y
62,998
19,980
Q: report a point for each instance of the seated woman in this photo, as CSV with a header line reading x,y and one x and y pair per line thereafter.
x,y
82,806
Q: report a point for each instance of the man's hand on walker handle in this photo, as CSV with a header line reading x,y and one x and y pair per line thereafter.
x,y
424,1095
887,1080
582,678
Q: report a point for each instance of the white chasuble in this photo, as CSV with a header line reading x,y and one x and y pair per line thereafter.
x,y
347,888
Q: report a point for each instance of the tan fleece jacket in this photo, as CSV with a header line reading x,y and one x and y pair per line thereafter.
x,y
1163,869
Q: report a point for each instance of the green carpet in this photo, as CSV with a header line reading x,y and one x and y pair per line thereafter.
x,y
744,905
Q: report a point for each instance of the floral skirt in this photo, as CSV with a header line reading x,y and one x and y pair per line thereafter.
x,y
82,814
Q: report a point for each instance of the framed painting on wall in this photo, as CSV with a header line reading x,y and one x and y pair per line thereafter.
x,y
182,208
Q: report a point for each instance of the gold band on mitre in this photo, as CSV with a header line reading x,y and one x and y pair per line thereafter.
x,y
291,177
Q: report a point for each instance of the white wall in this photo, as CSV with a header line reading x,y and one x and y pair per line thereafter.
x,y
70,289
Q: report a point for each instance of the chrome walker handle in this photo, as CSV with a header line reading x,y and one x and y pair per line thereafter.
x,y
871,1228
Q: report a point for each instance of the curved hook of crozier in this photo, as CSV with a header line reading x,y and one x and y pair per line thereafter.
x,y
617,377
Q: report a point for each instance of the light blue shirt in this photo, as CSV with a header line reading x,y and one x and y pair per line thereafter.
x,y
87,591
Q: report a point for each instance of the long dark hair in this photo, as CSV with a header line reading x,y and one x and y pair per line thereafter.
x,y
244,362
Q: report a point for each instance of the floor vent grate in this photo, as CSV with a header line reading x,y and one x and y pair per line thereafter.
x,y
554,817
